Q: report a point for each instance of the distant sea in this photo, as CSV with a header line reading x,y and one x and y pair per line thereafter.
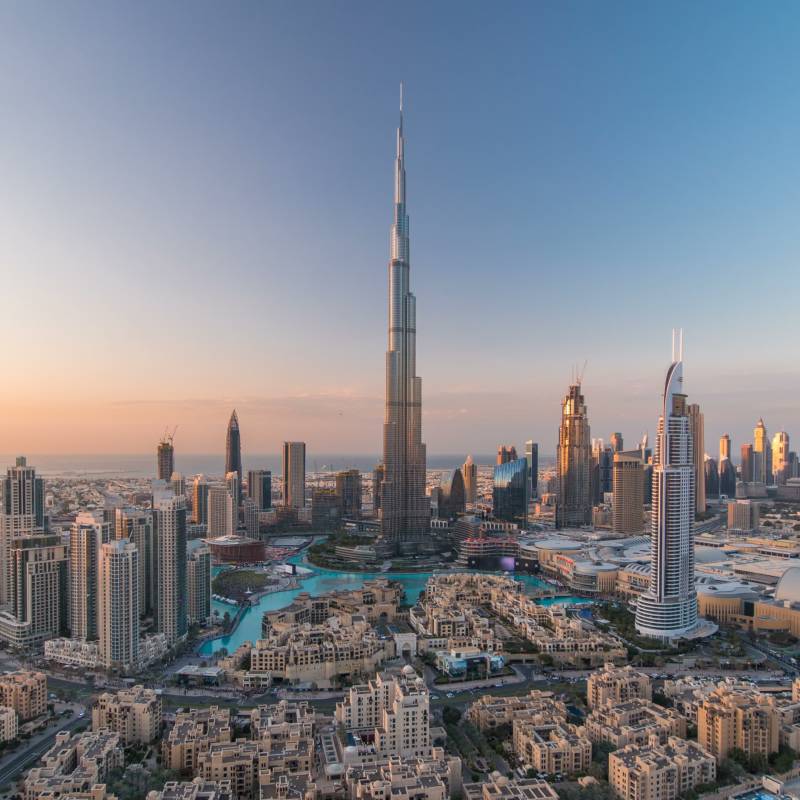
x,y
143,466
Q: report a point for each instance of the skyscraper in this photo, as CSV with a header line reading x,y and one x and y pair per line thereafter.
x,y
222,515
616,442
259,488
762,454
178,483
724,446
377,483
405,508
532,457
469,471
198,576
506,453
38,591
510,491
21,514
628,489
136,526
348,490
169,518
696,425
780,457
200,500
747,468
711,478
118,605
86,536
452,494
233,452
727,478
165,457
574,506
294,474
668,609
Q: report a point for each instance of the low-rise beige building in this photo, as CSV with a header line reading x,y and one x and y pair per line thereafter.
x,y
659,771
731,718
634,722
25,692
197,789
433,777
135,714
617,685
489,712
498,787
8,724
234,762
192,734
552,748
74,764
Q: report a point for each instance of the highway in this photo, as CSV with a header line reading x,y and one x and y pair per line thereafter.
x,y
13,765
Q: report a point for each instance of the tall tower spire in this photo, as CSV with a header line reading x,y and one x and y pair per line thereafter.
x,y
405,512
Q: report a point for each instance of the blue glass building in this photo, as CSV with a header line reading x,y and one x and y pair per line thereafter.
x,y
510,494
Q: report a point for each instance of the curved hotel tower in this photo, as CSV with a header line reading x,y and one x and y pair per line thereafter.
x,y
574,507
668,609
405,508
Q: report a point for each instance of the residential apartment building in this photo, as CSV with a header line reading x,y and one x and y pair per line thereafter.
x,y
192,734
634,722
25,692
135,714
660,771
617,685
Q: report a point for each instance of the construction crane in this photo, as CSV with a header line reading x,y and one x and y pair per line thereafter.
x,y
168,437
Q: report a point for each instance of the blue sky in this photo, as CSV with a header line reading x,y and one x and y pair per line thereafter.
x,y
197,200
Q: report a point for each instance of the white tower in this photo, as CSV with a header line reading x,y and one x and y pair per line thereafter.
x,y
668,609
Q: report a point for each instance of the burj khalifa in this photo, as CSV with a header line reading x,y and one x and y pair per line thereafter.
x,y
405,508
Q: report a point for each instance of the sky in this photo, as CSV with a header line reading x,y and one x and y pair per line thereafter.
x,y
197,197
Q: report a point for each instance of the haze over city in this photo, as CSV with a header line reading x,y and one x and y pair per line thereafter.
x,y
195,218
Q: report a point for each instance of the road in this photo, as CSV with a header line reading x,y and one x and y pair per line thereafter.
x,y
13,765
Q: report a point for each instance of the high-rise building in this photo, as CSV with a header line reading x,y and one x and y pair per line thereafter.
x,y
762,454
506,453
532,457
711,477
601,470
469,471
405,509
510,491
222,515
86,536
348,489
118,604
165,458
697,429
136,526
747,470
574,506
38,590
628,493
200,500
234,485
452,494
724,446
259,488
169,518
21,514
668,609
294,474
198,581
250,517
744,516
780,457
727,478
233,452
616,442
178,483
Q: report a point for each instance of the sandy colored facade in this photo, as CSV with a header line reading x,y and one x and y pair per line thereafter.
x,y
192,734
25,692
135,714
634,722
617,685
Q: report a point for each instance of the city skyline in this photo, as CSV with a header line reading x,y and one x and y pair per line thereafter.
x,y
682,161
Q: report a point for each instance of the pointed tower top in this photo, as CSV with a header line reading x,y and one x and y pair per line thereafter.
x,y
234,421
